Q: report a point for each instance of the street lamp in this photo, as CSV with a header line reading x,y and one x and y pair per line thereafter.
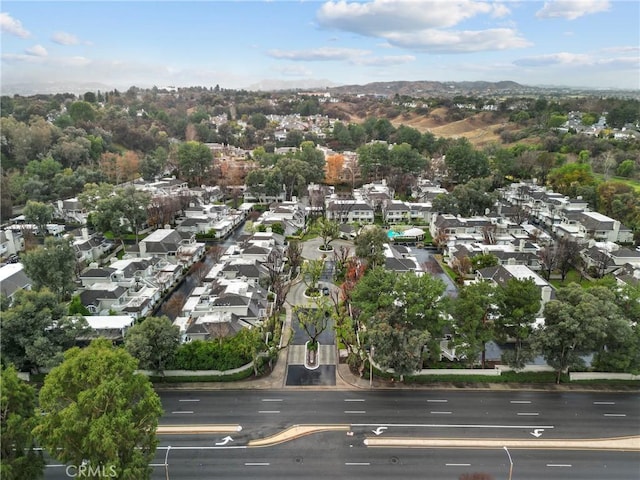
x,y
510,462
371,366
166,462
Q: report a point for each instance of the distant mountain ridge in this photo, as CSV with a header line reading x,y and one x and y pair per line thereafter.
x,y
434,88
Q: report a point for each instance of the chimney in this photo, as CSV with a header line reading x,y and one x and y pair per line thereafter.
x,y
85,233
521,245
143,248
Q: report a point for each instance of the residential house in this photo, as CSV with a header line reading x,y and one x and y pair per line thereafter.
x,y
90,247
398,258
12,279
395,211
71,210
112,327
171,245
226,308
11,242
524,253
349,211
291,215
501,274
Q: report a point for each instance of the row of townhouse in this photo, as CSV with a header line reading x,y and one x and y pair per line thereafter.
x,y
135,284
291,215
603,238
208,218
564,216
371,198
231,296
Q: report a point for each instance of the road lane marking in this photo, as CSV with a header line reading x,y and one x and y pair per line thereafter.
x,y
257,464
268,411
189,400
559,465
440,413
615,414
437,401
271,399
355,411
354,399
357,464
435,425
457,464
604,403
183,411
528,414
520,401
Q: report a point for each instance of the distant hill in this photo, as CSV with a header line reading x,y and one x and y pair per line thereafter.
x,y
440,89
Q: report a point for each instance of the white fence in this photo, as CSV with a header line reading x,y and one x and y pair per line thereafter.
x,y
196,373
573,376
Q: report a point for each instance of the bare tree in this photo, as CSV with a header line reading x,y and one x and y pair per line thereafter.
x,y
548,257
316,201
294,253
199,271
440,240
214,253
278,281
568,254
174,305
461,267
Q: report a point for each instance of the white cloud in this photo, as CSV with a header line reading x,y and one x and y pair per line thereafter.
x,y
10,25
597,60
40,57
382,16
561,58
318,54
387,60
64,38
625,49
422,24
443,41
37,50
572,9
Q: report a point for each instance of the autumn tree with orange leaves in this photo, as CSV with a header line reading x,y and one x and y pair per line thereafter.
x,y
120,168
333,169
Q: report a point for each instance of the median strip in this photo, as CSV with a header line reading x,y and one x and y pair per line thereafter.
x,y
629,444
294,432
196,429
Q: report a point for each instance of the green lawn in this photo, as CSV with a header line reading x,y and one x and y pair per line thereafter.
x,y
635,184
572,277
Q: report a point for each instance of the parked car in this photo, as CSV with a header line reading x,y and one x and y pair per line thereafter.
x,y
325,291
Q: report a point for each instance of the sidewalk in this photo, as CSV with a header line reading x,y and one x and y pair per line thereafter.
x,y
347,380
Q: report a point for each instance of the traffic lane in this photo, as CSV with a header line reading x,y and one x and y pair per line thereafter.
x,y
341,456
576,415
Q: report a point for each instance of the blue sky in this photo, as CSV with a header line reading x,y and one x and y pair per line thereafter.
x,y
240,44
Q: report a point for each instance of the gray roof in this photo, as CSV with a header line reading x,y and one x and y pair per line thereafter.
x,y
231,300
15,282
92,297
399,264
97,273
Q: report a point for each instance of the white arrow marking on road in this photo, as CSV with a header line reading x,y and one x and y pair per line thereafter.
x,y
379,430
225,440
537,432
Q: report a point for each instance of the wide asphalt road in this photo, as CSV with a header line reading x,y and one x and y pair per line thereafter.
x,y
362,417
